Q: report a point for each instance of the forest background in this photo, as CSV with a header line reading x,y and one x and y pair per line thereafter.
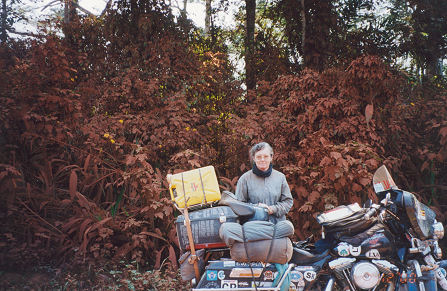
x,y
95,110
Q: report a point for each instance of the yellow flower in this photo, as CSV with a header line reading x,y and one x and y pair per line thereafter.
x,y
412,104
160,146
112,140
121,121
72,79
106,135
187,128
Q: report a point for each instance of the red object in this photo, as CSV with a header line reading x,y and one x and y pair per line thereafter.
x,y
208,246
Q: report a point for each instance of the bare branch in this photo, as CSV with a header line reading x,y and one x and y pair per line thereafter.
x,y
83,9
49,4
11,30
76,5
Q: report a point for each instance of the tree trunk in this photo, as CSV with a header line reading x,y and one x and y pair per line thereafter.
x,y
207,18
250,73
434,68
4,36
183,11
67,11
317,18
303,29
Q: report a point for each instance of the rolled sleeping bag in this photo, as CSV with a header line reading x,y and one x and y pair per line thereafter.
x,y
231,232
281,251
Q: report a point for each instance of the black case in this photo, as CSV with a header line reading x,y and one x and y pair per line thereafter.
x,y
205,224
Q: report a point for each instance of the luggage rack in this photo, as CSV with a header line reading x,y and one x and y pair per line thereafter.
x,y
277,288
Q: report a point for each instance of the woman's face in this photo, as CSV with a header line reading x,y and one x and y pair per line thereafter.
x,y
263,158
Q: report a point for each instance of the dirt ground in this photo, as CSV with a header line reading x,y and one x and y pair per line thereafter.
x,y
121,276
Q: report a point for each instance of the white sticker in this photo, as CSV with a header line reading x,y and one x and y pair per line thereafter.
x,y
227,284
378,187
268,275
229,263
343,250
355,251
221,275
373,254
310,275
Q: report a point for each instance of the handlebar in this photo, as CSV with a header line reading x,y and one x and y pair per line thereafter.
x,y
371,212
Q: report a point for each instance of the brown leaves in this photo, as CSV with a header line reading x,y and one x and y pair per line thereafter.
x,y
369,109
73,184
80,158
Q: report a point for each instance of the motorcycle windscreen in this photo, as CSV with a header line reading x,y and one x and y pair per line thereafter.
x,y
382,180
420,215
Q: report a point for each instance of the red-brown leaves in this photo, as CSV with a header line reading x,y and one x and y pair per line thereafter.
x,y
73,184
91,136
369,109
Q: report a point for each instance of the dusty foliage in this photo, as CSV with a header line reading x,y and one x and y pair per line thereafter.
x,y
88,133
119,276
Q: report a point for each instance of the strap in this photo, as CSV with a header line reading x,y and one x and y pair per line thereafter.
x,y
248,259
270,248
191,245
184,194
190,237
271,244
203,188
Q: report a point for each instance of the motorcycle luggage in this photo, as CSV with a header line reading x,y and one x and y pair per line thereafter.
x,y
254,231
198,187
338,213
229,274
362,236
278,251
205,225
345,220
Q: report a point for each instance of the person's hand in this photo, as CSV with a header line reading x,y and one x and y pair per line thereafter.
x,y
269,209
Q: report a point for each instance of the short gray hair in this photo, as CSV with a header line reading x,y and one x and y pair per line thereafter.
x,y
259,146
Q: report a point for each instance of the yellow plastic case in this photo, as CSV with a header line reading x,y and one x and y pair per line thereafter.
x,y
199,187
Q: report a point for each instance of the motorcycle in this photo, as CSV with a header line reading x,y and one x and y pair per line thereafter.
x,y
392,245
398,251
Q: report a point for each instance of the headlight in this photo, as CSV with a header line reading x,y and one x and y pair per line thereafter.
x,y
438,230
365,275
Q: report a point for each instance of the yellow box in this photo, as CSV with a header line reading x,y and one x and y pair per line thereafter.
x,y
199,187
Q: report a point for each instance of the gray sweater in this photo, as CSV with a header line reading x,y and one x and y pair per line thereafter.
x,y
273,191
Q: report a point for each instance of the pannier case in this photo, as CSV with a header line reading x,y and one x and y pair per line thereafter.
x,y
229,274
345,220
205,224
198,186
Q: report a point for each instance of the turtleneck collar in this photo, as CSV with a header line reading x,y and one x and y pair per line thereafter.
x,y
262,174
